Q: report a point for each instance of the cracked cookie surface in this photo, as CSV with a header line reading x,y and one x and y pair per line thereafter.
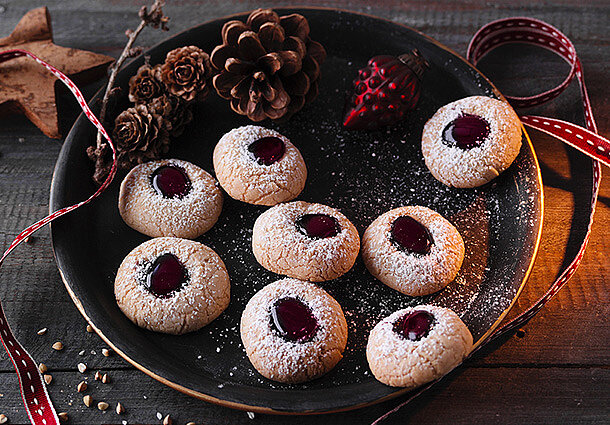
x,y
472,167
286,361
200,300
247,180
280,247
146,210
400,362
411,273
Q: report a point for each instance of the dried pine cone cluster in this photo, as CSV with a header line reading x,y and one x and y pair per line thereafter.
x,y
267,67
162,95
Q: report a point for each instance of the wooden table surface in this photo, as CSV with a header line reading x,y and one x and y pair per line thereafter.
x,y
558,372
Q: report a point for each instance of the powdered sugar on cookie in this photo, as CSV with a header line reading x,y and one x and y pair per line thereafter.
x,y
205,295
399,362
245,179
473,167
149,212
409,273
280,247
291,362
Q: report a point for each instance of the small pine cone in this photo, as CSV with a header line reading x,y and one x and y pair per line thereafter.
x,y
268,67
186,72
176,112
145,85
140,135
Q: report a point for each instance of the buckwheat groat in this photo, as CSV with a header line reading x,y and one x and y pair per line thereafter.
x,y
172,285
413,250
293,331
469,142
259,166
170,197
417,345
307,241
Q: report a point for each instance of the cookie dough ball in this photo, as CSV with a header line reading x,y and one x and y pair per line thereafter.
x,y
417,345
170,197
293,331
413,250
172,285
307,241
471,141
259,166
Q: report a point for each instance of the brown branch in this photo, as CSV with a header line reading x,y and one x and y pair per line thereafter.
x,y
153,18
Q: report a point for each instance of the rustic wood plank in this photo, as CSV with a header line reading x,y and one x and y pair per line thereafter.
x,y
474,395
518,382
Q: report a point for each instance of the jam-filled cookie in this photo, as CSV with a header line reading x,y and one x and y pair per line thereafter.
x,y
172,285
417,345
413,250
293,331
259,166
471,141
306,241
170,197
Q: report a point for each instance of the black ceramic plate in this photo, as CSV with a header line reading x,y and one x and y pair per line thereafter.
x,y
362,173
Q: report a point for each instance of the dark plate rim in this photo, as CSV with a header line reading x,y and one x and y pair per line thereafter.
x,y
263,409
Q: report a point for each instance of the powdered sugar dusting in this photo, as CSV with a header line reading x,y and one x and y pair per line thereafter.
x,y
199,301
280,247
362,174
149,212
407,272
472,167
243,178
280,359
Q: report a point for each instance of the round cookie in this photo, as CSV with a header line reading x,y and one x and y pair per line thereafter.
x,y
306,241
413,250
172,285
417,345
170,197
259,166
469,142
293,331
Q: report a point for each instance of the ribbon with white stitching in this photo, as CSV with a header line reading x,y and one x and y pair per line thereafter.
x,y
35,397
38,405
586,140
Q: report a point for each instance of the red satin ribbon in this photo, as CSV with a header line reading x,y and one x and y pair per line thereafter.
x,y
38,405
539,33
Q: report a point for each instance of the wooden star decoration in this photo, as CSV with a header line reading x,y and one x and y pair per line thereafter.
x,y
27,87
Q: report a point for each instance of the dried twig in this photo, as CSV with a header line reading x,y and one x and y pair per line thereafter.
x,y
153,17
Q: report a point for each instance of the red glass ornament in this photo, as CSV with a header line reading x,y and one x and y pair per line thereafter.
x,y
385,90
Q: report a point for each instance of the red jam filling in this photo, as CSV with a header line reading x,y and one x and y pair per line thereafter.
x,y
466,131
293,320
171,181
414,325
268,150
318,226
411,236
166,276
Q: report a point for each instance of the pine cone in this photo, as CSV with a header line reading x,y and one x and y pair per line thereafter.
x,y
176,112
145,85
185,72
269,67
139,135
